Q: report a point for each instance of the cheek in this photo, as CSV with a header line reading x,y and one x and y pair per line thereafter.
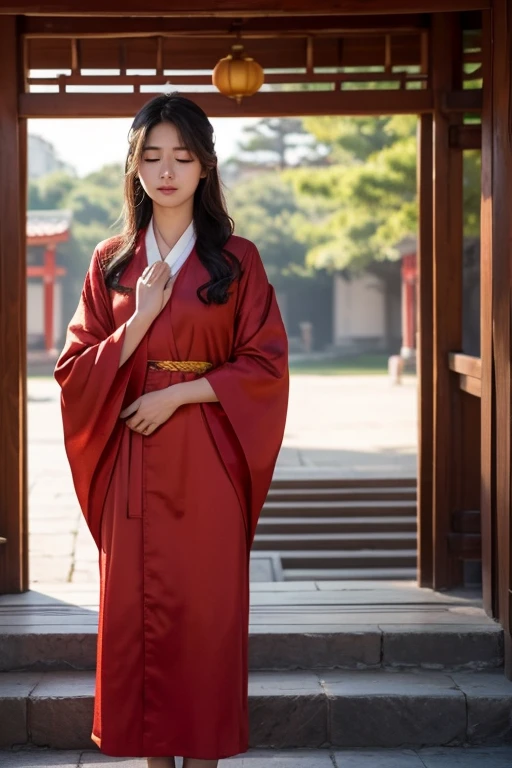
x,y
143,180
194,177
147,175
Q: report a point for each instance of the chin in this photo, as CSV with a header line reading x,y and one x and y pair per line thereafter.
x,y
167,202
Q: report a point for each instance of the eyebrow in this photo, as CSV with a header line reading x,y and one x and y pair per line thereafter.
x,y
175,148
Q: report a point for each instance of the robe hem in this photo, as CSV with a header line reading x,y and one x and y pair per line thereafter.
x,y
172,752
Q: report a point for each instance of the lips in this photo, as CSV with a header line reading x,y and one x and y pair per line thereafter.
x,y
167,189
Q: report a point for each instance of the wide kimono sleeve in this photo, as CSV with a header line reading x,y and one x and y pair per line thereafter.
x,y
93,388
252,386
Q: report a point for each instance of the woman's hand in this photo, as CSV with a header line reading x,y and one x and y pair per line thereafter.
x,y
154,288
152,409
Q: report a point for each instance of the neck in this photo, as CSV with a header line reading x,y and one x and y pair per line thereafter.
x,y
172,222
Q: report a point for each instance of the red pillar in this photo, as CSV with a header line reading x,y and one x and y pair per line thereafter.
x,y
49,294
408,305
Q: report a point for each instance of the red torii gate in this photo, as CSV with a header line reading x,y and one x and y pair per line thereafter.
x,y
48,231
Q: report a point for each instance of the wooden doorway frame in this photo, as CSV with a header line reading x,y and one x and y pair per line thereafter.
x,y
447,378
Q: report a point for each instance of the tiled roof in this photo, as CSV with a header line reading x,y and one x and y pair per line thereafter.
x,y
48,223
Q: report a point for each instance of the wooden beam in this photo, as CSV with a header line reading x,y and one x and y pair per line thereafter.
x,y
472,386
472,20
196,53
465,364
13,461
64,81
447,295
425,352
228,8
279,104
273,26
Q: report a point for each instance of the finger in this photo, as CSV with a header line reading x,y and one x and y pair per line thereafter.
x,y
128,412
145,428
157,276
130,409
150,269
153,269
139,426
136,422
164,273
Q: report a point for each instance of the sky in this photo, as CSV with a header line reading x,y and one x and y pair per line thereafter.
x,y
88,144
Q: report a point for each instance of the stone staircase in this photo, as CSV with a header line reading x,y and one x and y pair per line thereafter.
x,y
340,528
334,664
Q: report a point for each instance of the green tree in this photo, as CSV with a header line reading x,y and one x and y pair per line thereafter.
x,y
353,139
369,191
50,192
266,211
276,142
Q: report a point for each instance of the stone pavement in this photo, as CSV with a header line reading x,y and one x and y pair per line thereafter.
x,y
350,426
475,757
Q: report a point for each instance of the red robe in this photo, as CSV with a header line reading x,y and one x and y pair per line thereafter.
x,y
174,513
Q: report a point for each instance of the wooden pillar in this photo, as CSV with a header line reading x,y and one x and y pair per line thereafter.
x,y
496,312
447,295
13,471
424,351
488,399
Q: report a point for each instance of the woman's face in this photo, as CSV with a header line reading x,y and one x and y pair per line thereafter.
x,y
168,172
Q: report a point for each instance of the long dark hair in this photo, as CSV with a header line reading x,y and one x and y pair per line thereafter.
x,y
212,223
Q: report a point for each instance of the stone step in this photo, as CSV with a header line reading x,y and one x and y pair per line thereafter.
x,y
369,574
346,558
357,757
342,494
281,542
338,508
365,708
306,480
317,636
273,525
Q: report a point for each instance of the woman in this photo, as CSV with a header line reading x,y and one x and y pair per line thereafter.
x,y
174,383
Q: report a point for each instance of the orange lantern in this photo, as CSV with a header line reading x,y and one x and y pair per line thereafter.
x,y
237,75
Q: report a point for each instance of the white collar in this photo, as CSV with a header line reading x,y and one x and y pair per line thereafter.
x,y
178,254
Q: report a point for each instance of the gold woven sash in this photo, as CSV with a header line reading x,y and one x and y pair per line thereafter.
x,y
185,366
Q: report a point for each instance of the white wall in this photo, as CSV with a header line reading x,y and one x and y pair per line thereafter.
x,y
359,309
35,311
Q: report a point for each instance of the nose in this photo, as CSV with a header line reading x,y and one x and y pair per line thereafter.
x,y
165,173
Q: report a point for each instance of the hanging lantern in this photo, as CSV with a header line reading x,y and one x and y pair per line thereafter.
x,y
237,75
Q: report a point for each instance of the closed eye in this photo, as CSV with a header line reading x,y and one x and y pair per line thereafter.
x,y
155,160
